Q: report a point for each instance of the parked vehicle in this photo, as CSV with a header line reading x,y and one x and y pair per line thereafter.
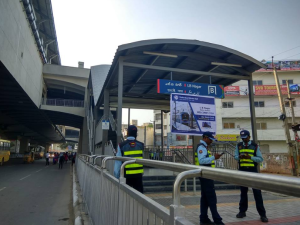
x,y
4,156
28,157
4,151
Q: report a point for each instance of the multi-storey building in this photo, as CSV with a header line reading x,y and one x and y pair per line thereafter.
x,y
233,112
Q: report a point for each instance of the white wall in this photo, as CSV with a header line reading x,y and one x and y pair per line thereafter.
x,y
16,38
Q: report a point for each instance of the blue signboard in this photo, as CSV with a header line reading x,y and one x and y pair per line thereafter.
x,y
192,114
181,87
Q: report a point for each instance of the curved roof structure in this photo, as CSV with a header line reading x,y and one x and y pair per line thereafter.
x,y
177,59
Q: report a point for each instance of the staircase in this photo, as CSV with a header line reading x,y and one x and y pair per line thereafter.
x,y
165,184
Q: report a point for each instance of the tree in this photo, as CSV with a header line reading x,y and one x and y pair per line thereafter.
x,y
150,125
66,144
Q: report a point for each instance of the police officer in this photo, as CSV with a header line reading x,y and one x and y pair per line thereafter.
x,y
248,155
203,157
134,149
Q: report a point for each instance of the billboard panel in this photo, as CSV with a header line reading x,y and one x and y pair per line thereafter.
x,y
192,114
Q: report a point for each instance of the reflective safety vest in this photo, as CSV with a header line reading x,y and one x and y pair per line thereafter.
x,y
250,150
133,149
207,155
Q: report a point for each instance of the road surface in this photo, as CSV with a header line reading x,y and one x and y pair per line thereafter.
x,y
35,194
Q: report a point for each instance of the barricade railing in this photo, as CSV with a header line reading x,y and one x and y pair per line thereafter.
x,y
186,155
63,102
111,201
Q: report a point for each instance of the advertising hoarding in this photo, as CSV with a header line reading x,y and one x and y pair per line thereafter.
x,y
192,114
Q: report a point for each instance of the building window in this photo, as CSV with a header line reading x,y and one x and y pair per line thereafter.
x,y
157,126
290,81
228,126
257,82
165,127
157,116
227,104
261,126
287,104
165,116
259,104
264,148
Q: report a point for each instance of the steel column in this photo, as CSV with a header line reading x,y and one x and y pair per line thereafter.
x,y
162,129
128,117
120,100
252,110
105,116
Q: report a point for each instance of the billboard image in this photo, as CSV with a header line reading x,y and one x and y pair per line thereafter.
x,y
282,65
193,115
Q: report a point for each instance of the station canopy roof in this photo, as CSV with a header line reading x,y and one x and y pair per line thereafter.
x,y
183,60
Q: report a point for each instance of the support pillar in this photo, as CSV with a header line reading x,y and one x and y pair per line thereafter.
x,y
120,101
106,116
128,117
24,145
252,110
162,129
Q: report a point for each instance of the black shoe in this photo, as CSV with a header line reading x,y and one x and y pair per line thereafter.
x,y
207,222
264,219
241,215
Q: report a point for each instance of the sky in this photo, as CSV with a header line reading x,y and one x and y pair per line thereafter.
x,y
91,30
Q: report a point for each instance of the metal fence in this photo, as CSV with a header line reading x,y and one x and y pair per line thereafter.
x,y
110,201
186,155
63,102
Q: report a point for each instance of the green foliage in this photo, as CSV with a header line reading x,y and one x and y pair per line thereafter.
x,y
150,125
65,145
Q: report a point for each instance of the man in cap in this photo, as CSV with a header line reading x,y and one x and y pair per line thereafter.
x,y
203,157
248,154
134,149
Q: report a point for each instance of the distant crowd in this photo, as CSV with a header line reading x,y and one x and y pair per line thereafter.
x,y
61,158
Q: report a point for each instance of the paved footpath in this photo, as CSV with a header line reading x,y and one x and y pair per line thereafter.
x,y
281,209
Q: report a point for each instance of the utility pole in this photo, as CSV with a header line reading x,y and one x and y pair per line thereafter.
x,y
295,147
153,132
283,118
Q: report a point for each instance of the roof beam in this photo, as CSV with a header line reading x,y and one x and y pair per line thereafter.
x,y
140,76
195,72
177,64
43,15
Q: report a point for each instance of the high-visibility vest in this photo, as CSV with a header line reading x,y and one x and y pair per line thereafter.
x,y
133,149
250,150
207,155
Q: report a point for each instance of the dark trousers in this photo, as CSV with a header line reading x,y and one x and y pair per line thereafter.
x,y
47,161
257,196
136,183
61,163
208,199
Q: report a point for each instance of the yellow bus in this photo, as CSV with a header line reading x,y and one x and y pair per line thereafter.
x,y
4,151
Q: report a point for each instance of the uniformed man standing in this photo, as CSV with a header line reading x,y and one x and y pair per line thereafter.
x,y
134,149
248,154
203,157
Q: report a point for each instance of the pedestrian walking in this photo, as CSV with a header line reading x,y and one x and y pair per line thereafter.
x,y
61,160
73,158
203,157
66,157
248,154
47,158
134,149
